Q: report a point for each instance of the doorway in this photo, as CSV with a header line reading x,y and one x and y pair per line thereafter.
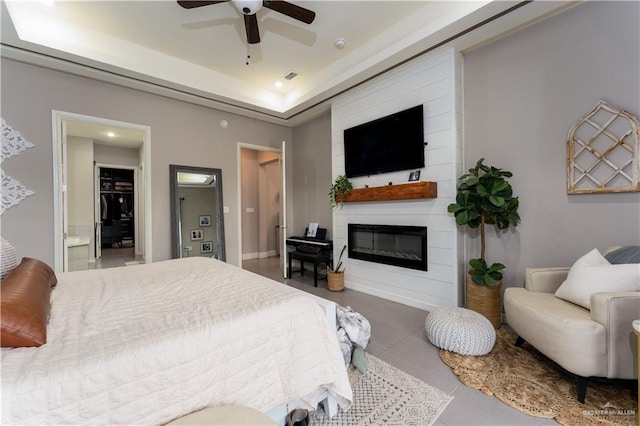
x,y
115,216
80,144
262,210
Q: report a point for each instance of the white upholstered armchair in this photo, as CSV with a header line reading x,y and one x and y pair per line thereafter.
x,y
595,342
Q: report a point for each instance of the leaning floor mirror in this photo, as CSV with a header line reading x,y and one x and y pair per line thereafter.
x,y
197,223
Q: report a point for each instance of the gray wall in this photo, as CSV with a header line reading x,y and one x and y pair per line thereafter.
x,y
522,95
80,199
312,174
115,155
261,193
250,222
269,189
181,133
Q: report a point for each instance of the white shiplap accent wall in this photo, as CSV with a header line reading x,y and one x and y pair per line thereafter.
x,y
434,80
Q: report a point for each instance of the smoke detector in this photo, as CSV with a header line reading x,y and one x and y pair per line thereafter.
x,y
340,42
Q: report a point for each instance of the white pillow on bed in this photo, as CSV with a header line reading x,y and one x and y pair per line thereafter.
x,y
8,260
592,273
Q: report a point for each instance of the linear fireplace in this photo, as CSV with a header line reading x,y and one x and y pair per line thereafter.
x,y
404,246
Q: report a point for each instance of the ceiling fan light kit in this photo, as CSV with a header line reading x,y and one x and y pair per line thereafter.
x,y
249,8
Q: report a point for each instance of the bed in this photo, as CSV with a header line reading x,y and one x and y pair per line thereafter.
x,y
146,344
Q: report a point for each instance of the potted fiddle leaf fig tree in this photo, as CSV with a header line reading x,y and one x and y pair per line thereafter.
x,y
485,197
340,188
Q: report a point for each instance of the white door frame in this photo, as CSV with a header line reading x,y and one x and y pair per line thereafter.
x,y
284,224
240,146
57,119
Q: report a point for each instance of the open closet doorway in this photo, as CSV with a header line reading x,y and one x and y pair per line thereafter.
x,y
262,209
101,167
115,216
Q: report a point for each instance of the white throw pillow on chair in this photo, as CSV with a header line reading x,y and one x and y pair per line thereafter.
x,y
592,273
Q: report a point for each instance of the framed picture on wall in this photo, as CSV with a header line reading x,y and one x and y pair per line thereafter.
x,y
205,220
206,247
414,176
197,234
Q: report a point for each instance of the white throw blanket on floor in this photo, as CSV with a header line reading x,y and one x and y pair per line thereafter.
x,y
353,329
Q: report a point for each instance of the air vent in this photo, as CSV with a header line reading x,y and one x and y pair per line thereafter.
x,y
290,75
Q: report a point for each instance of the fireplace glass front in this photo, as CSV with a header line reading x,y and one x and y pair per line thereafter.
x,y
404,246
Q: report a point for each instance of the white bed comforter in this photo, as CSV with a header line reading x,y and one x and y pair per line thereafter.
x,y
145,344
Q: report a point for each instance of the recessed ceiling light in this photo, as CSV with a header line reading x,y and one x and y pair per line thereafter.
x,y
278,84
111,134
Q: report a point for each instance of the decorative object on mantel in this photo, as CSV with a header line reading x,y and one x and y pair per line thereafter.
x,y
12,142
12,192
335,276
603,152
339,190
485,198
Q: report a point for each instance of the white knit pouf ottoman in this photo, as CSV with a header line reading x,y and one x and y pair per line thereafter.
x,y
460,330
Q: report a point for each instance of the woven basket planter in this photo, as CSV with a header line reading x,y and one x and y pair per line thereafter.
x,y
485,301
335,281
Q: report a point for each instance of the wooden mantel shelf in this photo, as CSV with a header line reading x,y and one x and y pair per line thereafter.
x,y
402,191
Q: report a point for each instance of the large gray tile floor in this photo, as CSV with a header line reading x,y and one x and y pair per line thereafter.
x,y
398,338
111,258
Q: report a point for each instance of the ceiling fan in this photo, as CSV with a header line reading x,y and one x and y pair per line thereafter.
x,y
249,8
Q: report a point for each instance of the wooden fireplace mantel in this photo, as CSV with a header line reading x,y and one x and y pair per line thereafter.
x,y
401,191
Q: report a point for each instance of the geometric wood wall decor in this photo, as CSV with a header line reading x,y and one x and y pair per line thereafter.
x,y
603,153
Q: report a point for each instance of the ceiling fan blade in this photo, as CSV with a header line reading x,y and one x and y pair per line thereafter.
x,y
296,12
251,25
190,4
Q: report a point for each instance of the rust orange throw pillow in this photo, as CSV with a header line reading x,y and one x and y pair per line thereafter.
x,y
24,297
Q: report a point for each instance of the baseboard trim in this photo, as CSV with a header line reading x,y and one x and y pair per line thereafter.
x,y
259,255
393,297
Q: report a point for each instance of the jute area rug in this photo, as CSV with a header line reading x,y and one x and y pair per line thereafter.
x,y
385,395
528,381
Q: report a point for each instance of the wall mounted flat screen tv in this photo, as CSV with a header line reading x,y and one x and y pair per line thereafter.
x,y
388,144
